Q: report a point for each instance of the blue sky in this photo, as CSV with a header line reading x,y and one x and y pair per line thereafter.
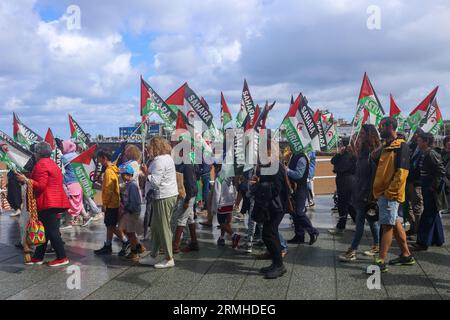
x,y
320,48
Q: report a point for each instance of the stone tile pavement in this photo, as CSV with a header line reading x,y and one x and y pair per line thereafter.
x,y
314,272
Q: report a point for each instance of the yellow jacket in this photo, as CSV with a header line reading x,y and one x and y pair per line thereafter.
x,y
110,187
392,171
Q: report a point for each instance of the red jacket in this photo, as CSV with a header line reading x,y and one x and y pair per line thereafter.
x,y
48,185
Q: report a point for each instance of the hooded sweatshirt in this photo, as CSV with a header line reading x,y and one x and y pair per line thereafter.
x,y
110,187
69,153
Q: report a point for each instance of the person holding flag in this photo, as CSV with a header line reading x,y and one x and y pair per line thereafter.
x,y
73,188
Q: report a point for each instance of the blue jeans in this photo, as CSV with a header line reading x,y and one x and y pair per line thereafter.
x,y
205,189
360,222
284,245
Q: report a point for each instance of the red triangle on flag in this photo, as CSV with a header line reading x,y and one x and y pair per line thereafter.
x,y
181,123
144,94
15,124
423,106
294,107
366,88
394,108
86,156
224,104
50,139
72,126
177,98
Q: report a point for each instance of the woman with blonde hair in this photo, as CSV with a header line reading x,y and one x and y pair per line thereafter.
x,y
161,176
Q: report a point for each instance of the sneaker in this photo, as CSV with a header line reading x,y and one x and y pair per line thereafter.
x,y
140,248
296,240
336,231
235,240
165,264
98,216
125,247
264,270
193,246
284,253
275,272
87,222
313,238
106,250
148,261
66,227
34,261
348,256
372,252
381,265
221,242
132,256
58,262
249,247
403,261
15,213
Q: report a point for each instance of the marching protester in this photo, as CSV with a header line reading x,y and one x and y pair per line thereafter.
x,y
73,188
270,190
131,221
311,174
389,189
222,204
298,172
111,203
362,198
432,173
14,195
446,160
162,177
344,164
184,212
413,186
51,200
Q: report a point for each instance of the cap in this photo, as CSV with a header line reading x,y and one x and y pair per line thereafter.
x,y
127,170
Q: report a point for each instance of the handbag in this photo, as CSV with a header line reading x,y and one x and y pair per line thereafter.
x,y
35,229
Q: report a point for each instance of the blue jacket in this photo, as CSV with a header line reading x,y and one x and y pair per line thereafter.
x,y
69,174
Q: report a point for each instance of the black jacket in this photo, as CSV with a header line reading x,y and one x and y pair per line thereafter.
x,y
364,176
344,164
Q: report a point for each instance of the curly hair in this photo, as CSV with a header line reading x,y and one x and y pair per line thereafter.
x,y
372,140
160,146
133,153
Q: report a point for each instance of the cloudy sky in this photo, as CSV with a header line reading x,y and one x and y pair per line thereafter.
x,y
282,47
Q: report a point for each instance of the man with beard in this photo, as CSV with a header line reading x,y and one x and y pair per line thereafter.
x,y
389,190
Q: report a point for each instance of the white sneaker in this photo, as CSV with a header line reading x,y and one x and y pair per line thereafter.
x,y
165,264
67,227
89,220
98,216
15,213
148,261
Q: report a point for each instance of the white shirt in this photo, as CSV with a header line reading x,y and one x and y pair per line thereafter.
x,y
162,177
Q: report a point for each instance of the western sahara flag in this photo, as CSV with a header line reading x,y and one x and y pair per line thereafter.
x,y
395,113
326,121
152,102
15,156
78,135
417,115
247,109
84,168
299,124
321,139
56,152
23,134
225,114
369,109
433,120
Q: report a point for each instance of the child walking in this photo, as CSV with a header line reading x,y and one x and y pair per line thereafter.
x,y
111,201
223,201
131,221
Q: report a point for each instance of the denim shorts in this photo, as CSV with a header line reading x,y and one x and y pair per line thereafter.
x,y
388,211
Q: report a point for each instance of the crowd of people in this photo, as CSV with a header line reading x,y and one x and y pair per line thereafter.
x,y
379,176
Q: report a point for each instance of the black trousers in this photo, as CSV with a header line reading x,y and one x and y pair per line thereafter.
x,y
345,185
271,238
52,234
301,220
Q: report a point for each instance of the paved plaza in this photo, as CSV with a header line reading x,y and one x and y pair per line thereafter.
x,y
314,272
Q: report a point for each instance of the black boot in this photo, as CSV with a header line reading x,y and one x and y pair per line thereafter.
x,y
106,250
296,240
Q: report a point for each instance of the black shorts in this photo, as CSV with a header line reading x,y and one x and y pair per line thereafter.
x,y
111,217
223,218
